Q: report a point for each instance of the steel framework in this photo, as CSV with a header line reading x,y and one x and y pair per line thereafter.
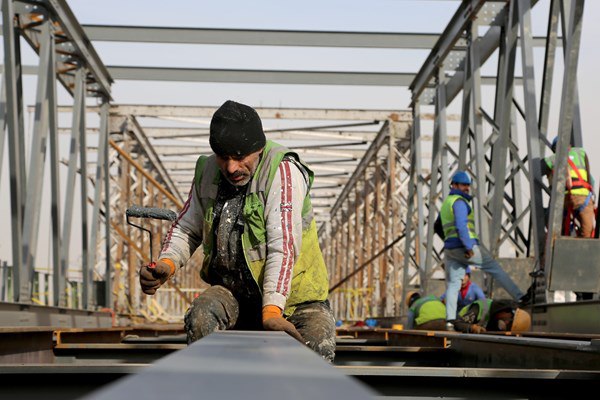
x,y
502,147
374,196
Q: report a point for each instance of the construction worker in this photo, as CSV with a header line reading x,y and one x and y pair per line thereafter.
x,y
492,315
461,247
426,313
579,192
250,211
468,293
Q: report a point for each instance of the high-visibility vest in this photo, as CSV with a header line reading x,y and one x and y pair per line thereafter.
x,y
578,174
310,280
448,221
483,316
428,309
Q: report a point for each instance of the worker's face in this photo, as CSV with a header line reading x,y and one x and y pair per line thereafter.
x,y
462,187
465,279
504,320
238,170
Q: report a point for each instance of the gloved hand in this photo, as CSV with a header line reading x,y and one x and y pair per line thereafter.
x,y
273,320
469,254
154,275
477,329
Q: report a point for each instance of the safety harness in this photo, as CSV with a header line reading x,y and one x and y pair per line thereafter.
x,y
578,183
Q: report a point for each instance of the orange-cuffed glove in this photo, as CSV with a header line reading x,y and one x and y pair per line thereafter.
x,y
152,276
272,317
477,329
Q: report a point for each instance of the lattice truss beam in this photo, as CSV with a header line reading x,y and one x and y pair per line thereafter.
x,y
362,242
499,145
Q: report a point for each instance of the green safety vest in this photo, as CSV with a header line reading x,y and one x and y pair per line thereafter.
x,y
428,309
483,316
310,280
579,187
448,222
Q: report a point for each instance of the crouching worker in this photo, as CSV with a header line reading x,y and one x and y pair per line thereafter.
x,y
425,313
492,315
250,210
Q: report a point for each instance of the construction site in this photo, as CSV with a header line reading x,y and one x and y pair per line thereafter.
x,y
95,169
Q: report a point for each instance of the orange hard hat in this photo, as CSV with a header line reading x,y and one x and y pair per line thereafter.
x,y
521,321
410,295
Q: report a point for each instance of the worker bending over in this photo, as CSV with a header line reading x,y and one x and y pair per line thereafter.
x,y
250,211
427,313
493,315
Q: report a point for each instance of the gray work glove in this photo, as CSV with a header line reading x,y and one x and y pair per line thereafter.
x,y
152,276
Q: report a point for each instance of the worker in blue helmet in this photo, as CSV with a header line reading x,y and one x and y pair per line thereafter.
x,y
462,248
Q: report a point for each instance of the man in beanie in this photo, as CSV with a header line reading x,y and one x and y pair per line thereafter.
x,y
249,208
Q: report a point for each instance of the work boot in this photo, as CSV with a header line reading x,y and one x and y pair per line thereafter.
x,y
527,298
450,326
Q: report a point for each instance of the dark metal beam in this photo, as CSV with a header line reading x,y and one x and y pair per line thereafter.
x,y
232,365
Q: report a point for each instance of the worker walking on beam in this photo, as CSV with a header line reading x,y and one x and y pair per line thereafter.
x,y
461,247
250,210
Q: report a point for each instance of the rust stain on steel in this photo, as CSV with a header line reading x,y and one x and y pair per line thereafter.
x,y
394,117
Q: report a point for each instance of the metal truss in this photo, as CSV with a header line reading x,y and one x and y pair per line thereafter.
x,y
373,196
64,56
362,241
500,148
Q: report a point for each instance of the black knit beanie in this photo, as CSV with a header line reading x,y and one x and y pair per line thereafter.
x,y
236,130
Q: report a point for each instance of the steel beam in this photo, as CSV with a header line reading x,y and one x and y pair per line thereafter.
x,y
260,37
15,144
465,13
232,364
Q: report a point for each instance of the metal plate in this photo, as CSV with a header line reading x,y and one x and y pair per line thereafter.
x,y
576,265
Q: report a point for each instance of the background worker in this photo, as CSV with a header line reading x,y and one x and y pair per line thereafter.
x,y
468,293
461,247
250,211
425,313
492,315
579,192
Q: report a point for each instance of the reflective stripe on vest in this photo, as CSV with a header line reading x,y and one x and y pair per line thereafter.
x,y
448,221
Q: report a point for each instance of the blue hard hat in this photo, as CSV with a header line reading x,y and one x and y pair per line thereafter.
x,y
371,322
461,177
468,270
